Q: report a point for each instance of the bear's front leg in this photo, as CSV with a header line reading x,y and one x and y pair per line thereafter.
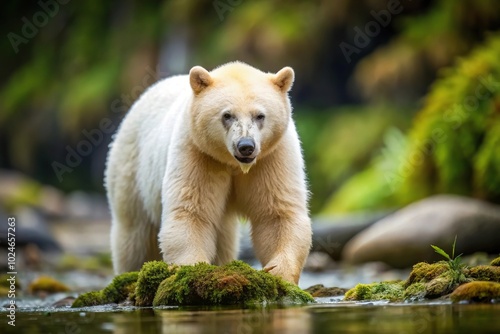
x,y
194,199
274,196
282,242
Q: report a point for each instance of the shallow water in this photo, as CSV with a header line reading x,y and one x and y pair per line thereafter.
x,y
328,315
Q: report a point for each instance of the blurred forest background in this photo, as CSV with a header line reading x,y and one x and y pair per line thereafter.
x,y
394,100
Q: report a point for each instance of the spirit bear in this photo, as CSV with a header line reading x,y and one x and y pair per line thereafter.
x,y
197,151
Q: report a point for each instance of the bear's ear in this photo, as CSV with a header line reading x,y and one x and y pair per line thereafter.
x,y
199,78
284,79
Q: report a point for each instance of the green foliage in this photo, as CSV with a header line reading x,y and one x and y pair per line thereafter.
x,y
337,143
117,291
392,291
233,284
495,262
452,146
151,275
159,284
92,298
455,262
121,287
432,280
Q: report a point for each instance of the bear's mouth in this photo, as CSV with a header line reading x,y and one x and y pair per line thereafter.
x,y
245,160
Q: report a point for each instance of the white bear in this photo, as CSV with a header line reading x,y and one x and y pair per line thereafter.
x,y
197,151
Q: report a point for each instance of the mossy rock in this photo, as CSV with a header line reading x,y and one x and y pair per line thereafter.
x,y
92,298
392,291
233,284
426,280
151,275
478,291
117,291
432,280
319,290
46,284
495,262
424,272
484,273
159,284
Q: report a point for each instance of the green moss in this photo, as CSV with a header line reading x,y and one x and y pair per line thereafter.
x,y
484,273
233,284
46,284
92,298
425,272
477,292
202,284
495,262
392,290
440,286
415,291
150,276
120,288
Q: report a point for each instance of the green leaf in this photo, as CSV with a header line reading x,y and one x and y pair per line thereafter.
x,y
453,247
441,252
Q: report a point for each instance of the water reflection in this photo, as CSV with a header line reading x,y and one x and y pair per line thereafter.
x,y
320,318
346,318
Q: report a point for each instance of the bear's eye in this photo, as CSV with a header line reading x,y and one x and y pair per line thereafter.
x,y
260,117
226,116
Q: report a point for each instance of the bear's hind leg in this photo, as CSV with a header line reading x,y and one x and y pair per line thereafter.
x,y
132,245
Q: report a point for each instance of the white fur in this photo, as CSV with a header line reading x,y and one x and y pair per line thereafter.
x,y
175,187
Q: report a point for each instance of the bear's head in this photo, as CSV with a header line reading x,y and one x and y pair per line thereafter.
x,y
239,113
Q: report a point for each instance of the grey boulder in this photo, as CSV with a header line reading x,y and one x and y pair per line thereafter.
x,y
404,237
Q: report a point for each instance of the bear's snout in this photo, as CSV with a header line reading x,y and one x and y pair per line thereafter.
x,y
246,146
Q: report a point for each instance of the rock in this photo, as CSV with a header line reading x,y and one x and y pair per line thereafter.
x,y
404,237
392,291
330,234
159,284
65,302
121,288
319,290
318,261
46,285
235,283
482,292
31,229
484,273
495,262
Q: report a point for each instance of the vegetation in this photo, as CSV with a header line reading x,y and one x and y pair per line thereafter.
x,y
160,284
103,56
117,291
452,147
434,281
483,292
46,284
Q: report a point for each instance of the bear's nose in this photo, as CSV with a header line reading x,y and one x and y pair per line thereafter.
x,y
246,146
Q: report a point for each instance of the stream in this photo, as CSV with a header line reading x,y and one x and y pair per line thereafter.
x,y
328,315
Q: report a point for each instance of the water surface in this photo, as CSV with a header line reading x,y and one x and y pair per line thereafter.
x,y
329,315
